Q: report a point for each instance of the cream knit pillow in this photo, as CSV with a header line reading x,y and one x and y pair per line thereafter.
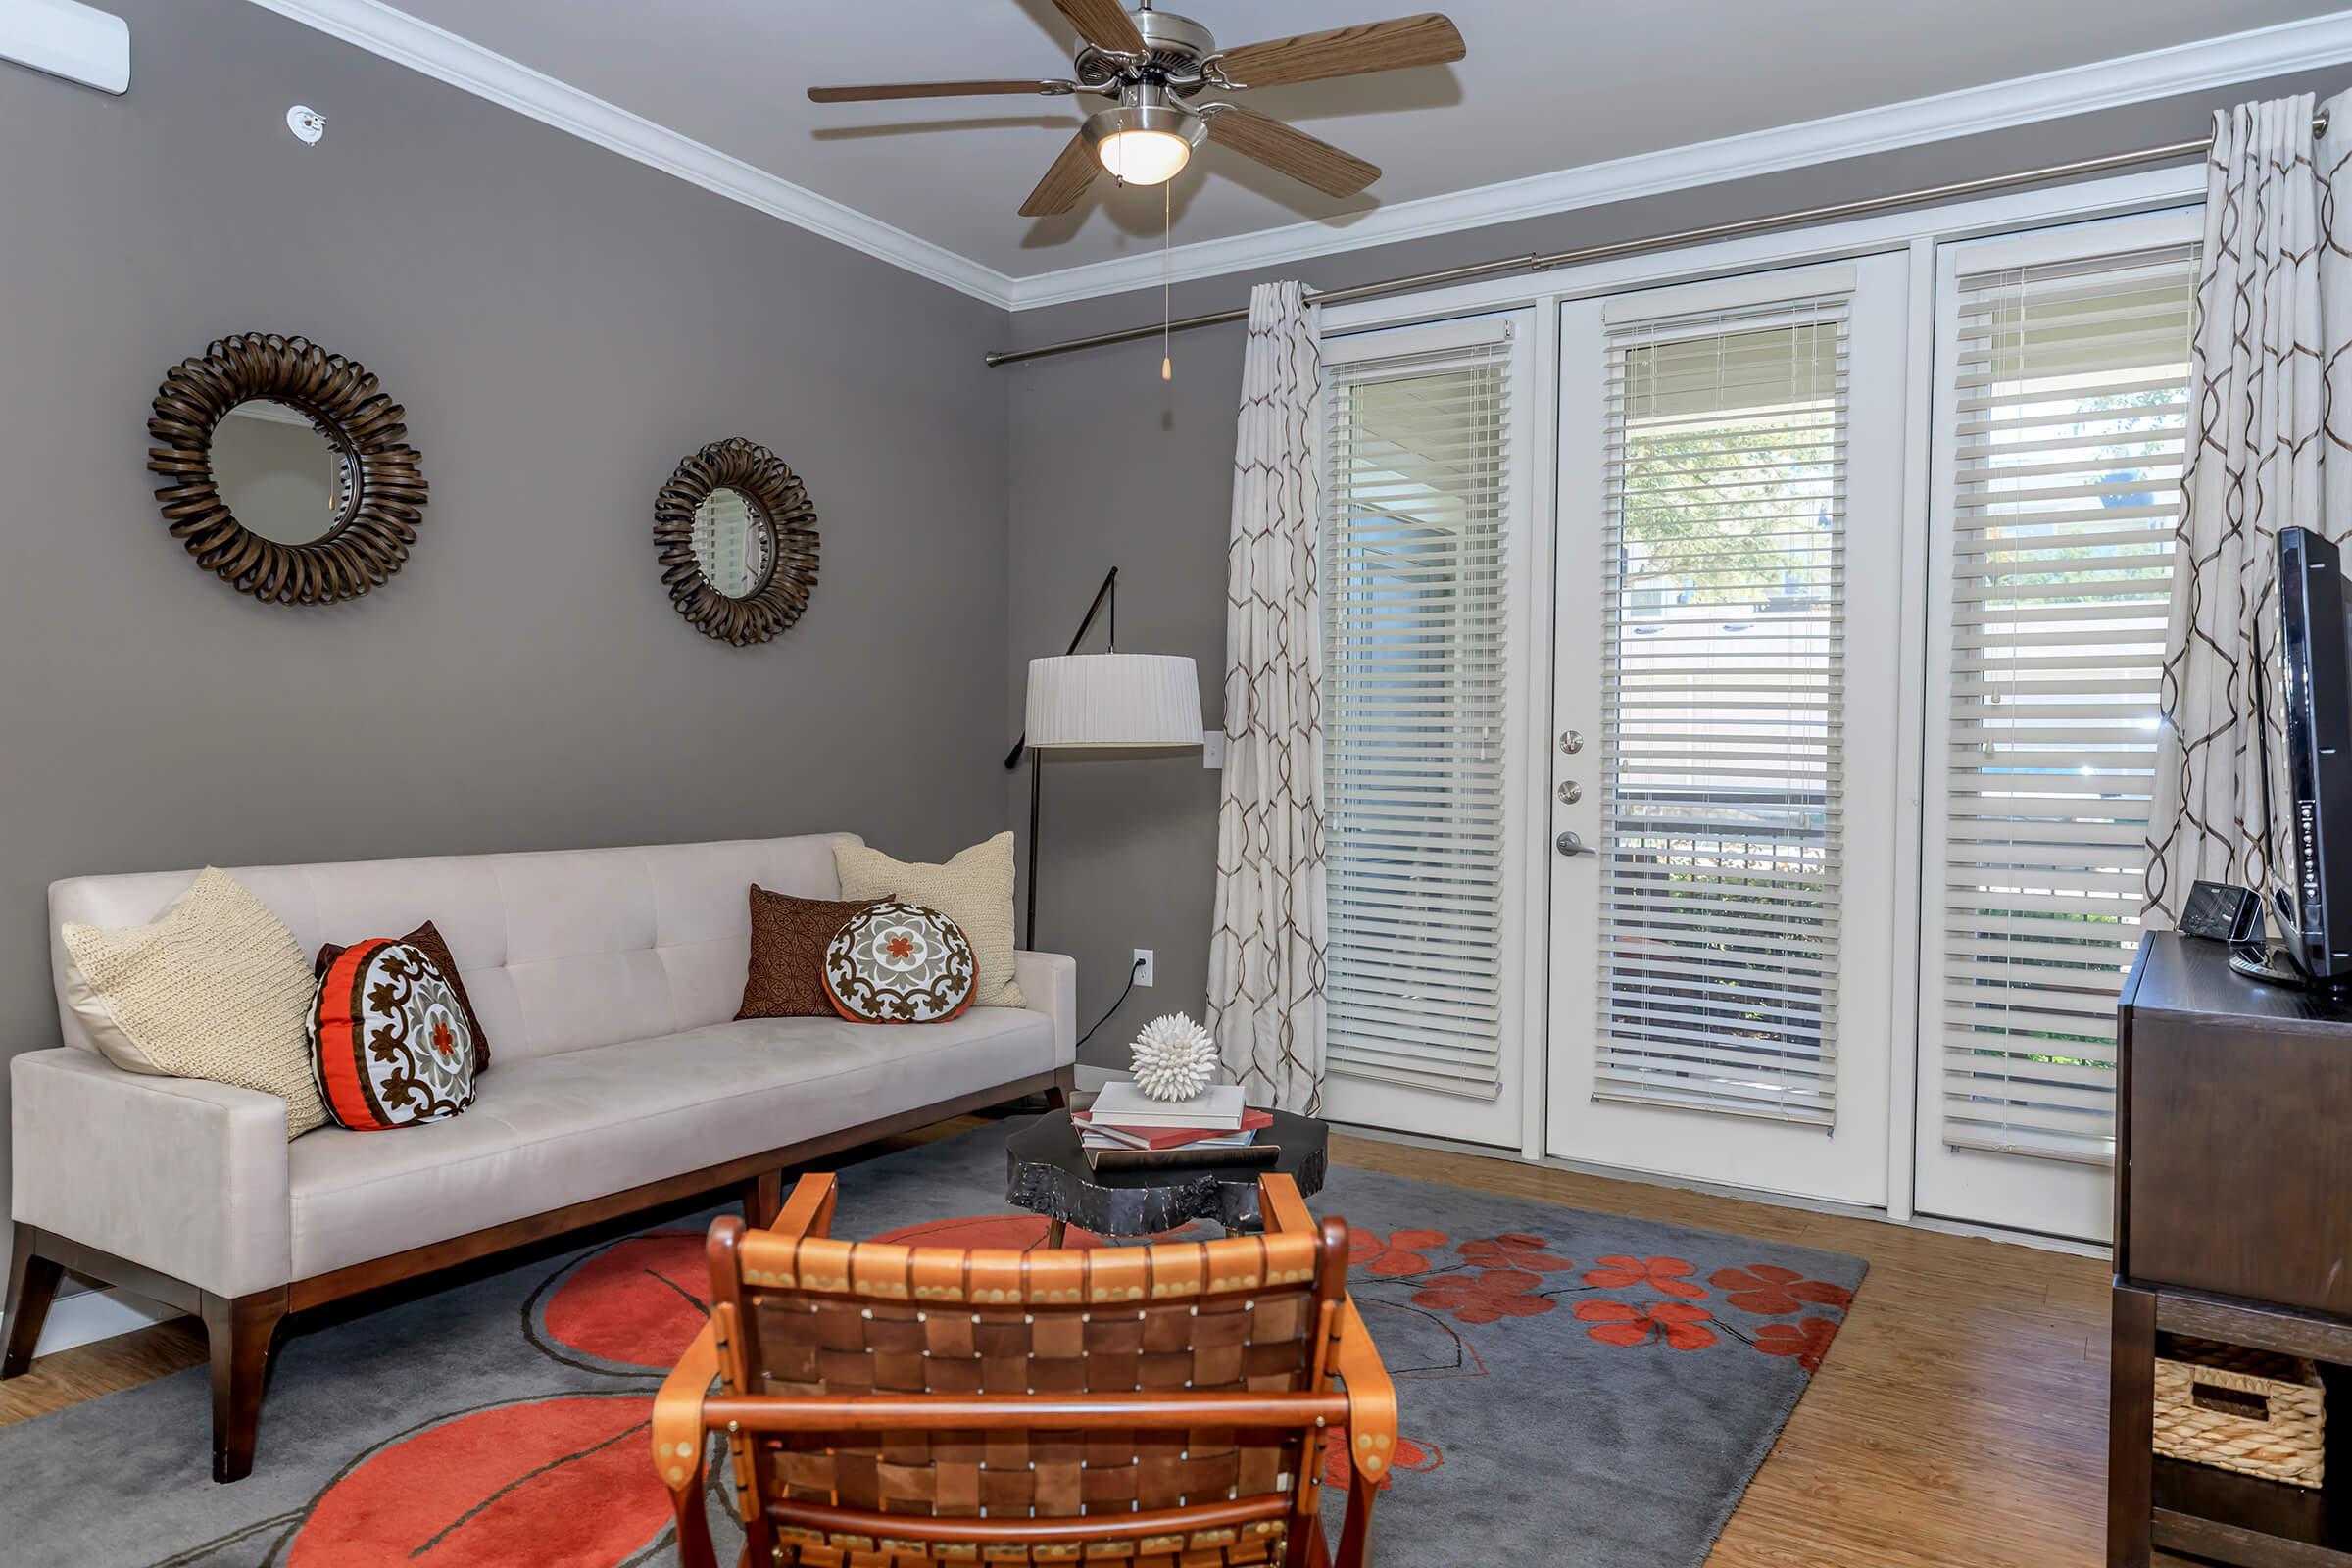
x,y
215,989
974,890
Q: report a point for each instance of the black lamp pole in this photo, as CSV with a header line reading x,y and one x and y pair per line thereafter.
x,y
1108,594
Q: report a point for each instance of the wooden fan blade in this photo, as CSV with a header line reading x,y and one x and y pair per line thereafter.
x,y
1105,23
936,89
1428,39
1064,182
1293,152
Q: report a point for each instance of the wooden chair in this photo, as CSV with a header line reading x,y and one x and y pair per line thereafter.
x,y
1155,1406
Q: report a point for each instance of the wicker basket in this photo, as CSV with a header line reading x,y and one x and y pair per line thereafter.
x,y
2235,1408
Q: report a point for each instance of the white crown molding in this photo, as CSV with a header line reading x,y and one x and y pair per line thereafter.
x,y
444,55
373,26
1997,106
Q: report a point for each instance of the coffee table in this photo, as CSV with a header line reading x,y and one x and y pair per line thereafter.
x,y
1045,1174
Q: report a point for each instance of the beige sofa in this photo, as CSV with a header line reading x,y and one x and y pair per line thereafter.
x,y
606,981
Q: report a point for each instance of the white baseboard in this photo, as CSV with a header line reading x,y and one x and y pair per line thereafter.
x,y
93,1315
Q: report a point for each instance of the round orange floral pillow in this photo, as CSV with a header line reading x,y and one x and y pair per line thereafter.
x,y
391,1040
899,963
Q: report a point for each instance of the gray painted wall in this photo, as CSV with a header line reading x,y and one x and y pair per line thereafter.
x,y
1110,466
562,326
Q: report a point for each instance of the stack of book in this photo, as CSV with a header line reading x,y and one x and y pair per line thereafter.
x,y
1124,1118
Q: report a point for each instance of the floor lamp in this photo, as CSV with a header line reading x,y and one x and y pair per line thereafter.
x,y
1101,702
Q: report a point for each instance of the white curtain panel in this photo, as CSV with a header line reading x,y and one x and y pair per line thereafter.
x,y
1266,954
2270,445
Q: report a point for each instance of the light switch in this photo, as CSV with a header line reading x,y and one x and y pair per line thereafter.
x,y
1212,748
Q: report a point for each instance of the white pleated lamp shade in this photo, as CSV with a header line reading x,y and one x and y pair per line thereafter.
x,y
1113,700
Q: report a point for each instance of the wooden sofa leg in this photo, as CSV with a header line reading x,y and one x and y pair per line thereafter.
x,y
31,1287
1064,1085
763,1198
241,1330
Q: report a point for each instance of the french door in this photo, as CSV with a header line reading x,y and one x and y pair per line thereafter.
x,y
1856,578
1430,671
2062,411
1729,656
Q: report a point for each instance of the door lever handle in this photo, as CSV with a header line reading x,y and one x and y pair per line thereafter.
x,y
1569,843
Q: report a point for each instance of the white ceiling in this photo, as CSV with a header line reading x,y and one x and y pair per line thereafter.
x,y
1546,86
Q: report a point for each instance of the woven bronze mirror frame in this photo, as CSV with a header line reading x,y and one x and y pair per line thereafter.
x,y
384,501
781,503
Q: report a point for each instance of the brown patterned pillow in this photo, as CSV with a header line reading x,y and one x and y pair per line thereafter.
x,y
787,974
426,939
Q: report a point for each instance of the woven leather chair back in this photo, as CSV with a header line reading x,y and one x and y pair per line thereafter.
x,y
815,1319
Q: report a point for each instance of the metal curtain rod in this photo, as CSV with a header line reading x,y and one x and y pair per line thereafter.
x,y
1545,261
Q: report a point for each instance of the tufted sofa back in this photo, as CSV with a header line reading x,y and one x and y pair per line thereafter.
x,y
561,950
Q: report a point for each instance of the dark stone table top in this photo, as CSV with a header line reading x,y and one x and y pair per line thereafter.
x,y
1046,1172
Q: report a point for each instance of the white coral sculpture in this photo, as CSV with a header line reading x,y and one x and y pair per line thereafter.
x,y
1174,1057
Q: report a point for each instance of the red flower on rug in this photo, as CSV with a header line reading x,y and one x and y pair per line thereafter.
x,y
1681,1326
1410,1455
1769,1289
1402,1253
1662,1274
1808,1340
563,1479
1490,1296
1513,1250
637,1304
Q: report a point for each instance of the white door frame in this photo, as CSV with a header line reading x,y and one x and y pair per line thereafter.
x,y
1919,232
2069,1200
1526,488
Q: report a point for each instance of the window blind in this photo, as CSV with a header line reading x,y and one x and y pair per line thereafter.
x,y
1722,647
1414,686
2067,407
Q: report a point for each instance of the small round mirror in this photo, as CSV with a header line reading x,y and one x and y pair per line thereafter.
x,y
733,542
278,474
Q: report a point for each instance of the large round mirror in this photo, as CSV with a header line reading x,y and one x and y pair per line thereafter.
x,y
284,469
283,479
733,542
736,539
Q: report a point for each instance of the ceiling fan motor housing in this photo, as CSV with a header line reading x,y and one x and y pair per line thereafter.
x,y
1173,48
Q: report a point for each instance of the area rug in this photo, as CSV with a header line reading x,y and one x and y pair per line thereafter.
x,y
1576,1388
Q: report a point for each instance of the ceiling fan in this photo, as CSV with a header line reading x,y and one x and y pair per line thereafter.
x,y
1153,65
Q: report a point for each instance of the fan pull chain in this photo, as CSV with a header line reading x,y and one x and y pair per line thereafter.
x,y
1168,264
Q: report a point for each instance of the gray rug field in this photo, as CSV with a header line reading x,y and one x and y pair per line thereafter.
x,y
1576,1388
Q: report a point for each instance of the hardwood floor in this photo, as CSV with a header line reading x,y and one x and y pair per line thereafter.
x,y
1959,1421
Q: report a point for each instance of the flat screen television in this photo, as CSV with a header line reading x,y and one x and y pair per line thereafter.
x,y
2314,913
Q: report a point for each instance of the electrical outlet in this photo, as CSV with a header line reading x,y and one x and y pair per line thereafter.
x,y
1143,959
1212,748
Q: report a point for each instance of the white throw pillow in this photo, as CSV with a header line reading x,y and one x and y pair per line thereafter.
x,y
974,890
215,989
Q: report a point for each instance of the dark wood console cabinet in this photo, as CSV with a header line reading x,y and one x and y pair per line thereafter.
x,y
2233,1221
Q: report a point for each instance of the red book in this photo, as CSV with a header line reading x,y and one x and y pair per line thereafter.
x,y
1168,1136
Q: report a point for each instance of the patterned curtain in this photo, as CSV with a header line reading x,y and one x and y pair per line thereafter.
x,y
1266,954
2269,424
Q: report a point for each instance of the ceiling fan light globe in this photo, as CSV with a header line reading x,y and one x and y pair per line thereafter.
x,y
1146,140
1144,157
